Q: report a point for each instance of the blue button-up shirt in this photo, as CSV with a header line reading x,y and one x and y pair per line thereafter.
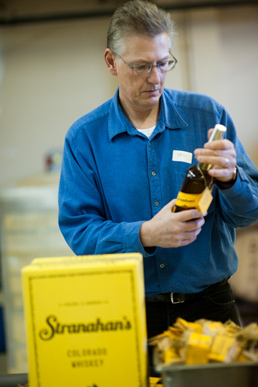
x,y
114,178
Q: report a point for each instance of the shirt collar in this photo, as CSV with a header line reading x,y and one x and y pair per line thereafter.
x,y
117,122
169,117
169,113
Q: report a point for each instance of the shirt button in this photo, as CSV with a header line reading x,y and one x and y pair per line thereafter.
x,y
162,265
156,204
153,173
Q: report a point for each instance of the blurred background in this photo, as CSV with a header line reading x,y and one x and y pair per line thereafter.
x,y
52,72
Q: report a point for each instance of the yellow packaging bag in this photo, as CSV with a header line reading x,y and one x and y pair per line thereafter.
x,y
85,321
198,349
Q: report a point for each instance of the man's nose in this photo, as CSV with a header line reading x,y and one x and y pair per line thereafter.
x,y
154,75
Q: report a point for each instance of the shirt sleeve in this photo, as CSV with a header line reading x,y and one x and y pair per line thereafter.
x,y
82,213
239,204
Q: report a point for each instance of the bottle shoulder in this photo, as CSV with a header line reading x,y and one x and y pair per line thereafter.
x,y
196,180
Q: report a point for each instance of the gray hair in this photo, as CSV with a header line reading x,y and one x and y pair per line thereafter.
x,y
137,17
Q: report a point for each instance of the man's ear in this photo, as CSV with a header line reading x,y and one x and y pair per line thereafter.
x,y
110,61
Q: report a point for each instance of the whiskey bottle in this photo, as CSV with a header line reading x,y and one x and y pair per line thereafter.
x,y
196,188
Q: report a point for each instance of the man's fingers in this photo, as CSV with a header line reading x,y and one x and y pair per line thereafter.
x,y
187,215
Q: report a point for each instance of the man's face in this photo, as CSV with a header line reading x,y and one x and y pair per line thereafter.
x,y
141,93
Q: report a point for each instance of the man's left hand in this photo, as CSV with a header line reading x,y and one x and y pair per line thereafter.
x,y
222,155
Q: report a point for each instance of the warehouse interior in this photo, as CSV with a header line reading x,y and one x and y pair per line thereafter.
x,y
52,72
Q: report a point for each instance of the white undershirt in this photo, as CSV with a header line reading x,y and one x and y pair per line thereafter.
x,y
148,131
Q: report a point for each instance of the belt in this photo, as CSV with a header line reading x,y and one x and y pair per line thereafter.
x,y
179,298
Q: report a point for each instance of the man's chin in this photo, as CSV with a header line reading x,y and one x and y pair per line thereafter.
x,y
151,102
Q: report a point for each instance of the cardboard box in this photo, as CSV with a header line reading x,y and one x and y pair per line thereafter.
x,y
245,281
85,321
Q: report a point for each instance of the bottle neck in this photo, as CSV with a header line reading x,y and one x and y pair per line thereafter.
x,y
217,134
205,166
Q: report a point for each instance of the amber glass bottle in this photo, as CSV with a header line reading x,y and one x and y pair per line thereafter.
x,y
195,191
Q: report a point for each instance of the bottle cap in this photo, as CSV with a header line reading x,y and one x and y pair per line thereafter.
x,y
218,132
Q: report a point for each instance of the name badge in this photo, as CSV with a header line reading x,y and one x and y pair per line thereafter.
x,y
185,157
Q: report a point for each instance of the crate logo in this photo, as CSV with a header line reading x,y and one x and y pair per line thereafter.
x,y
54,327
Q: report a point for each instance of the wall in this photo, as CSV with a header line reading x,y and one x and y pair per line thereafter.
x,y
52,73
225,56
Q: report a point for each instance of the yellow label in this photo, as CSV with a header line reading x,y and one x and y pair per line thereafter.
x,y
85,321
200,201
187,200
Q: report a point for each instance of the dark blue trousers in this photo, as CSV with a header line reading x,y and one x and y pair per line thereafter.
x,y
219,305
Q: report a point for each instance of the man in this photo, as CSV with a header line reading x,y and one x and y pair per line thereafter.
x,y
123,166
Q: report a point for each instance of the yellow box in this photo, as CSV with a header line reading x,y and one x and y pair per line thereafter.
x,y
85,321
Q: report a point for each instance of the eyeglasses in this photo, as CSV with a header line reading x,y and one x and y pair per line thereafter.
x,y
145,68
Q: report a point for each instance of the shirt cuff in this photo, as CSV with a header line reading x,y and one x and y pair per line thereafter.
x,y
237,188
228,184
132,240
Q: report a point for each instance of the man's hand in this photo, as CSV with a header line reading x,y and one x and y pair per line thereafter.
x,y
168,229
222,155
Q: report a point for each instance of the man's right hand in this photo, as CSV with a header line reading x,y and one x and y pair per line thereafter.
x,y
168,229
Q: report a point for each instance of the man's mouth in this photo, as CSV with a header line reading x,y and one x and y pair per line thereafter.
x,y
152,91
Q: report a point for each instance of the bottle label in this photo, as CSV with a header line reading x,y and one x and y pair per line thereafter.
x,y
200,201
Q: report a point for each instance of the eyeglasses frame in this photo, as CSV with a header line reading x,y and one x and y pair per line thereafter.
x,y
151,65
